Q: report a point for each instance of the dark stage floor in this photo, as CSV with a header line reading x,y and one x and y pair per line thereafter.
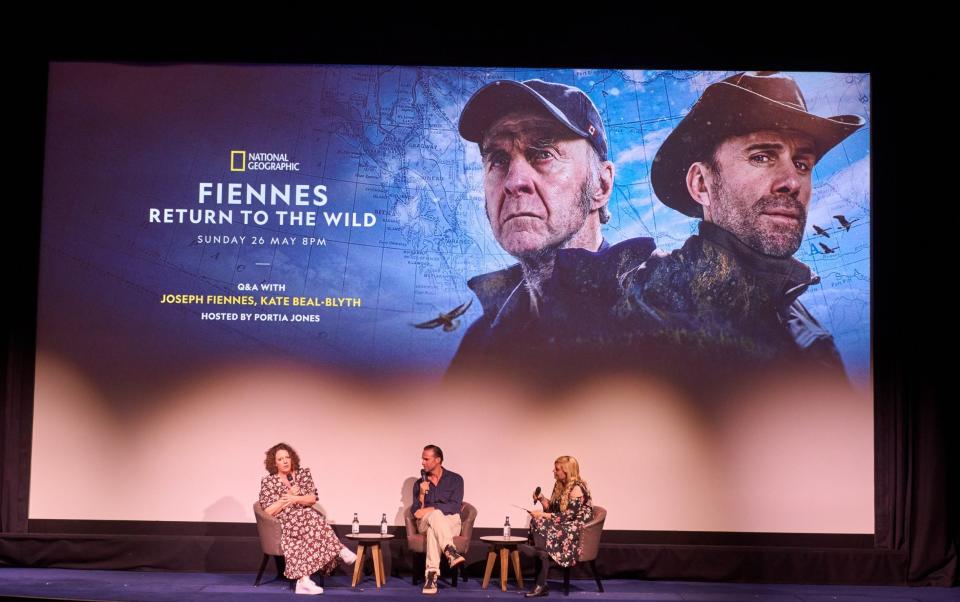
x,y
67,584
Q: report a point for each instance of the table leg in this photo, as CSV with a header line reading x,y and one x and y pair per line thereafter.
x,y
377,566
504,566
491,558
515,555
358,565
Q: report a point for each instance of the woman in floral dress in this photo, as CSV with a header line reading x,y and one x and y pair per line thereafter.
x,y
308,543
556,531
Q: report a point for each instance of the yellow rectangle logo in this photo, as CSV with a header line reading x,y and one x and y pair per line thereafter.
x,y
234,155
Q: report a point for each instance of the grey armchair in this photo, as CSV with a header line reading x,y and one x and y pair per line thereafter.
x,y
590,538
268,528
417,542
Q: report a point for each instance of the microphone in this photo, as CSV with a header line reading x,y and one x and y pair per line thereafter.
x,y
290,479
536,494
423,478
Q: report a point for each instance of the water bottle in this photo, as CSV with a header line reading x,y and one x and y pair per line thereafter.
x,y
383,524
506,528
355,528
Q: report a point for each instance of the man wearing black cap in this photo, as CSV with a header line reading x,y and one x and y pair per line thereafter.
x,y
741,160
546,184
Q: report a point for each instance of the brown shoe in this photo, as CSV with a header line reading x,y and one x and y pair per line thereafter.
x,y
453,556
430,584
540,591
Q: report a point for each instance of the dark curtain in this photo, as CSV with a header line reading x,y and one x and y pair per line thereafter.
x,y
16,412
929,531
20,249
914,479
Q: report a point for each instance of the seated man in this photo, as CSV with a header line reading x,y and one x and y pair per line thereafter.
x,y
437,498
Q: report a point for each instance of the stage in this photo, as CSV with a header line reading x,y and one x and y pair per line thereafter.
x,y
67,584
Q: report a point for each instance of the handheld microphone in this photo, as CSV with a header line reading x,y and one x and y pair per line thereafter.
x,y
536,495
423,478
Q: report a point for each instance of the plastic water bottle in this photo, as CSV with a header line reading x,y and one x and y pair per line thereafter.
x,y
383,524
506,528
355,528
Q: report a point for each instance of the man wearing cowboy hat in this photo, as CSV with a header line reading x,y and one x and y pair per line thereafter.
x,y
546,182
741,161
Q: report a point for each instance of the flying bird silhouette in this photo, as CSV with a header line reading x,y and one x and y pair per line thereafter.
x,y
844,223
448,320
820,230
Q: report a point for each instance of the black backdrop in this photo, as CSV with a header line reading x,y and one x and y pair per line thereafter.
x,y
915,483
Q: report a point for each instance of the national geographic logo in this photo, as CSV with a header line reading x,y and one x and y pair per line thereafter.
x,y
241,160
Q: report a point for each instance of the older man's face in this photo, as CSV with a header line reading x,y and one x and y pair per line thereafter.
x,y
536,182
762,191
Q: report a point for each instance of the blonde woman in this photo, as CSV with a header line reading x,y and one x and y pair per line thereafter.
x,y
556,530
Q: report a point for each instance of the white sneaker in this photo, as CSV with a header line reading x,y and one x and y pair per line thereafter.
x,y
305,585
347,555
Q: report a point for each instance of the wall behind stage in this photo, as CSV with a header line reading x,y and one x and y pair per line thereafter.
x,y
151,410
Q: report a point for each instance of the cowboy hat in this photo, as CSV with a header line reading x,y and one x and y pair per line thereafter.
x,y
744,103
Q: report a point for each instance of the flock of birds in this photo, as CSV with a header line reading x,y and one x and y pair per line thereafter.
x,y
845,224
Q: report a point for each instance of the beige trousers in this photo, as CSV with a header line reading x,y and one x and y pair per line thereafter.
x,y
440,530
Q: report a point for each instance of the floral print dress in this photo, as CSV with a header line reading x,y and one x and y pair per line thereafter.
x,y
308,543
563,530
